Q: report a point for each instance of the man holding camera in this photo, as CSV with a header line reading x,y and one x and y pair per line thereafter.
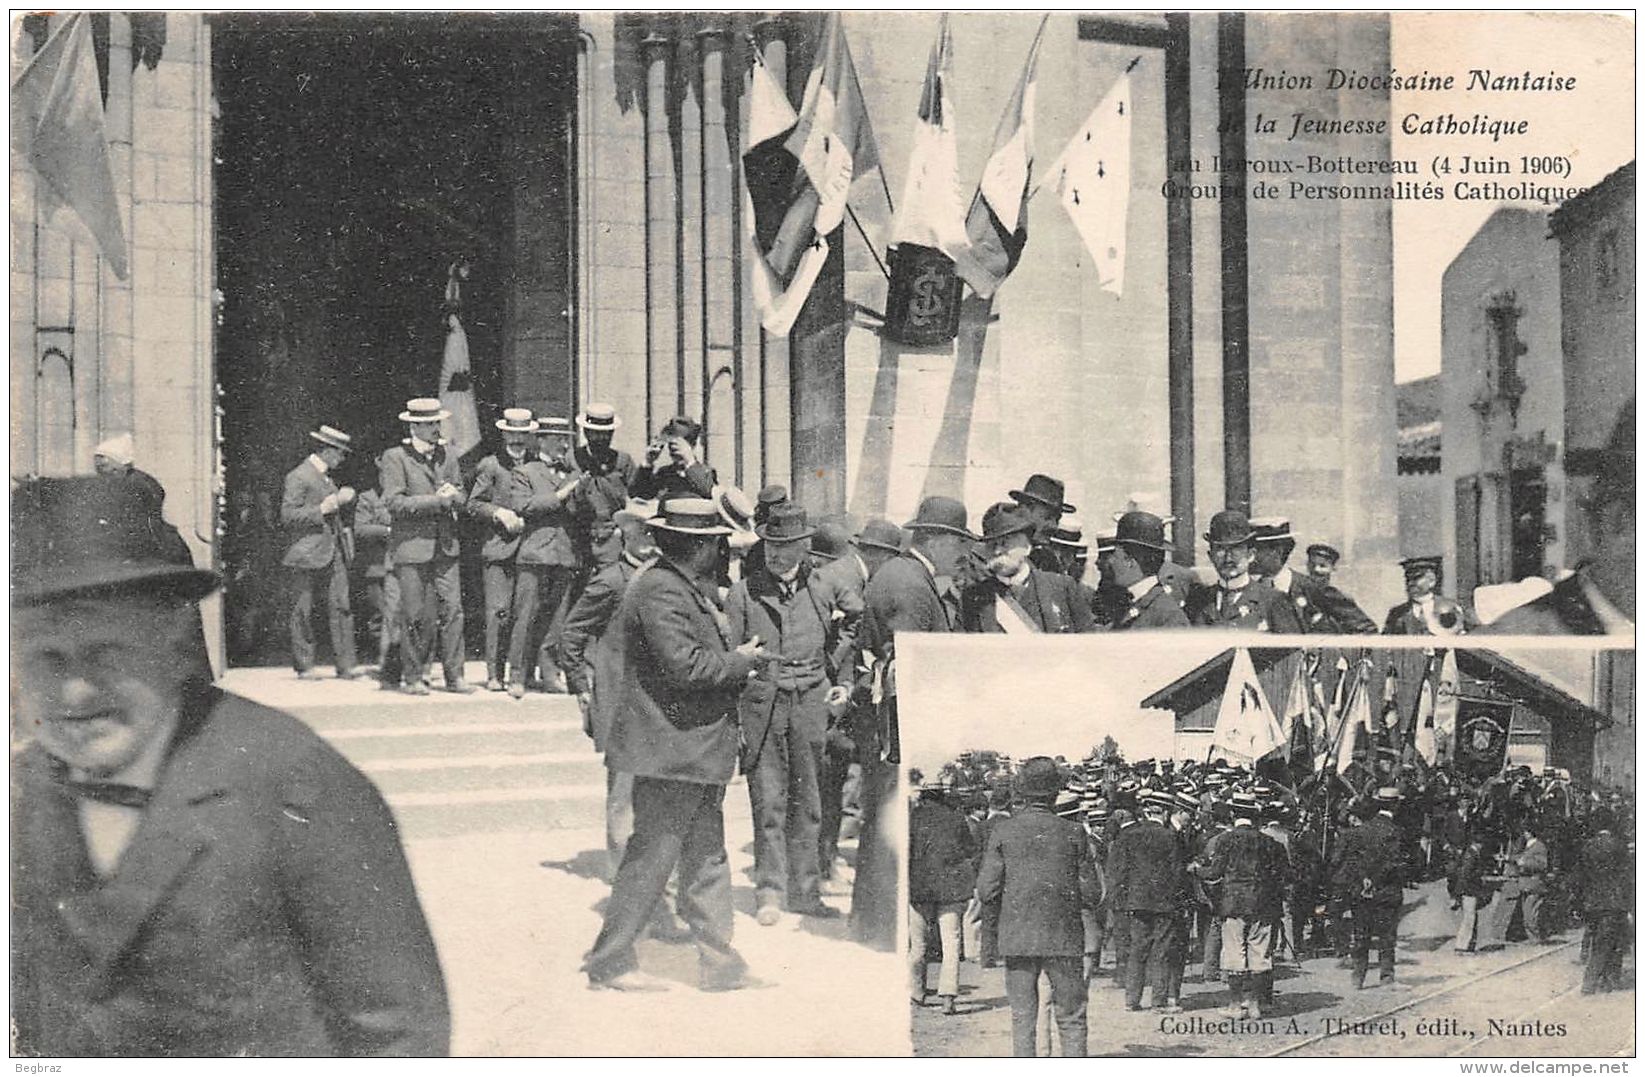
x,y
318,514
671,467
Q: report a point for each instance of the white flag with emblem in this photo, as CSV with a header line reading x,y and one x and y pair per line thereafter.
x,y
1246,729
1094,183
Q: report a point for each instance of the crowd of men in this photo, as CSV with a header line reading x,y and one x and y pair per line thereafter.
x,y
1043,866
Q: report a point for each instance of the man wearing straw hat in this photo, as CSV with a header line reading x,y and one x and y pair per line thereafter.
x,y
318,518
543,488
492,499
422,489
608,476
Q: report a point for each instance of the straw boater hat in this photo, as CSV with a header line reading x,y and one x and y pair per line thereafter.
x,y
517,421
554,424
597,417
332,437
424,409
1272,529
1069,534
689,516
734,508
636,509
119,449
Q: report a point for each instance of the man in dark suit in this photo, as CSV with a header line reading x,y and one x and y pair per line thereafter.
x,y
671,467
1248,869
1320,607
1368,875
1426,612
1041,498
544,484
492,500
1606,886
608,474
317,515
1239,600
676,732
913,592
942,874
1139,552
1038,867
1146,871
1016,596
422,489
192,874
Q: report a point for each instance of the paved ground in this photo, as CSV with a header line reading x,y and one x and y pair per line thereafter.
x,y
501,806
1446,1006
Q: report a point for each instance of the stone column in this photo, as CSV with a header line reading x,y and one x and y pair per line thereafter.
x,y
115,389
661,235
720,365
774,417
687,392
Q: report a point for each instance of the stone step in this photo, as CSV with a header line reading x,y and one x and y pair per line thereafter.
x,y
436,708
446,774
434,815
365,746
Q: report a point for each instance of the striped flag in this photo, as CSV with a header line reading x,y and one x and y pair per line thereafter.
x,y
998,219
461,429
1422,734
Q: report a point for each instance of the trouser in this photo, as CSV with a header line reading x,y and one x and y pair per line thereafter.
x,y
677,826
1176,955
971,928
383,596
1068,1000
619,816
431,602
1119,926
1210,931
1608,932
783,791
304,582
874,891
1247,944
1150,937
540,594
836,769
1468,926
499,592
988,934
1375,924
944,916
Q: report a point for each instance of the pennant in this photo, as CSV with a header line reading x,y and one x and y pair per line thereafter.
x,y
1422,724
998,219
1094,183
1445,707
57,126
1246,728
461,429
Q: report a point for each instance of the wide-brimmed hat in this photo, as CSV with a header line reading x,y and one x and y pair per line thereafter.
x,y
1044,490
553,424
734,508
1230,527
598,417
1141,529
832,539
332,437
689,516
1325,550
1386,794
517,421
1004,519
77,535
1039,777
786,523
424,409
1272,529
881,534
941,514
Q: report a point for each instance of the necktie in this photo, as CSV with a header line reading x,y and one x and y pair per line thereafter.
x,y
125,796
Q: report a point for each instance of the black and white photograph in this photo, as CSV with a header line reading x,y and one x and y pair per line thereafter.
x,y
487,488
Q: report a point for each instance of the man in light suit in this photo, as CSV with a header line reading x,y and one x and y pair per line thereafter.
x,y
317,515
193,874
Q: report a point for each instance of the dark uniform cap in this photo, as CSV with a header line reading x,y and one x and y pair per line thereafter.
x,y
1415,566
1325,550
832,539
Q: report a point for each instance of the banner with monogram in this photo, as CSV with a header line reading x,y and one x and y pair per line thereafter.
x,y
1482,737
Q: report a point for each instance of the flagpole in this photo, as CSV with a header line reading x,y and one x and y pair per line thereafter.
x,y
49,39
1057,161
866,241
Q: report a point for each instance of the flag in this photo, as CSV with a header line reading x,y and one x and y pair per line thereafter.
x,y
57,126
1094,183
461,429
1297,724
1356,737
998,219
1445,707
798,170
1332,725
1246,729
1422,731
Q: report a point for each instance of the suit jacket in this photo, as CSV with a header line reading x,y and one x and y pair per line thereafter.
x,y
1251,868
313,544
846,574
585,635
371,530
1054,602
1564,611
942,854
424,527
549,537
676,714
1039,868
1146,868
694,481
1607,883
1258,607
1158,608
1323,609
903,597
1402,619
493,490
263,907
1370,853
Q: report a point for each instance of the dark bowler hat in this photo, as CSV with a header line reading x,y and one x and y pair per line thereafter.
x,y
1416,566
1141,529
1039,777
1004,519
880,533
832,539
1325,550
1043,489
766,498
1272,529
1230,527
95,534
335,438
786,523
941,514
690,516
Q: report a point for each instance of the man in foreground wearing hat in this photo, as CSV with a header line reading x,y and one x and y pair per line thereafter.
x,y
608,475
117,456
1321,608
784,708
675,731
1146,870
1037,866
942,874
1426,612
1041,499
1249,869
492,499
422,489
193,874
543,487
1367,874
1239,600
318,518
1139,552
1016,596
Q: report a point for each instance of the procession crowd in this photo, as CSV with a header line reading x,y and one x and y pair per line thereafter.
x,y
1045,866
